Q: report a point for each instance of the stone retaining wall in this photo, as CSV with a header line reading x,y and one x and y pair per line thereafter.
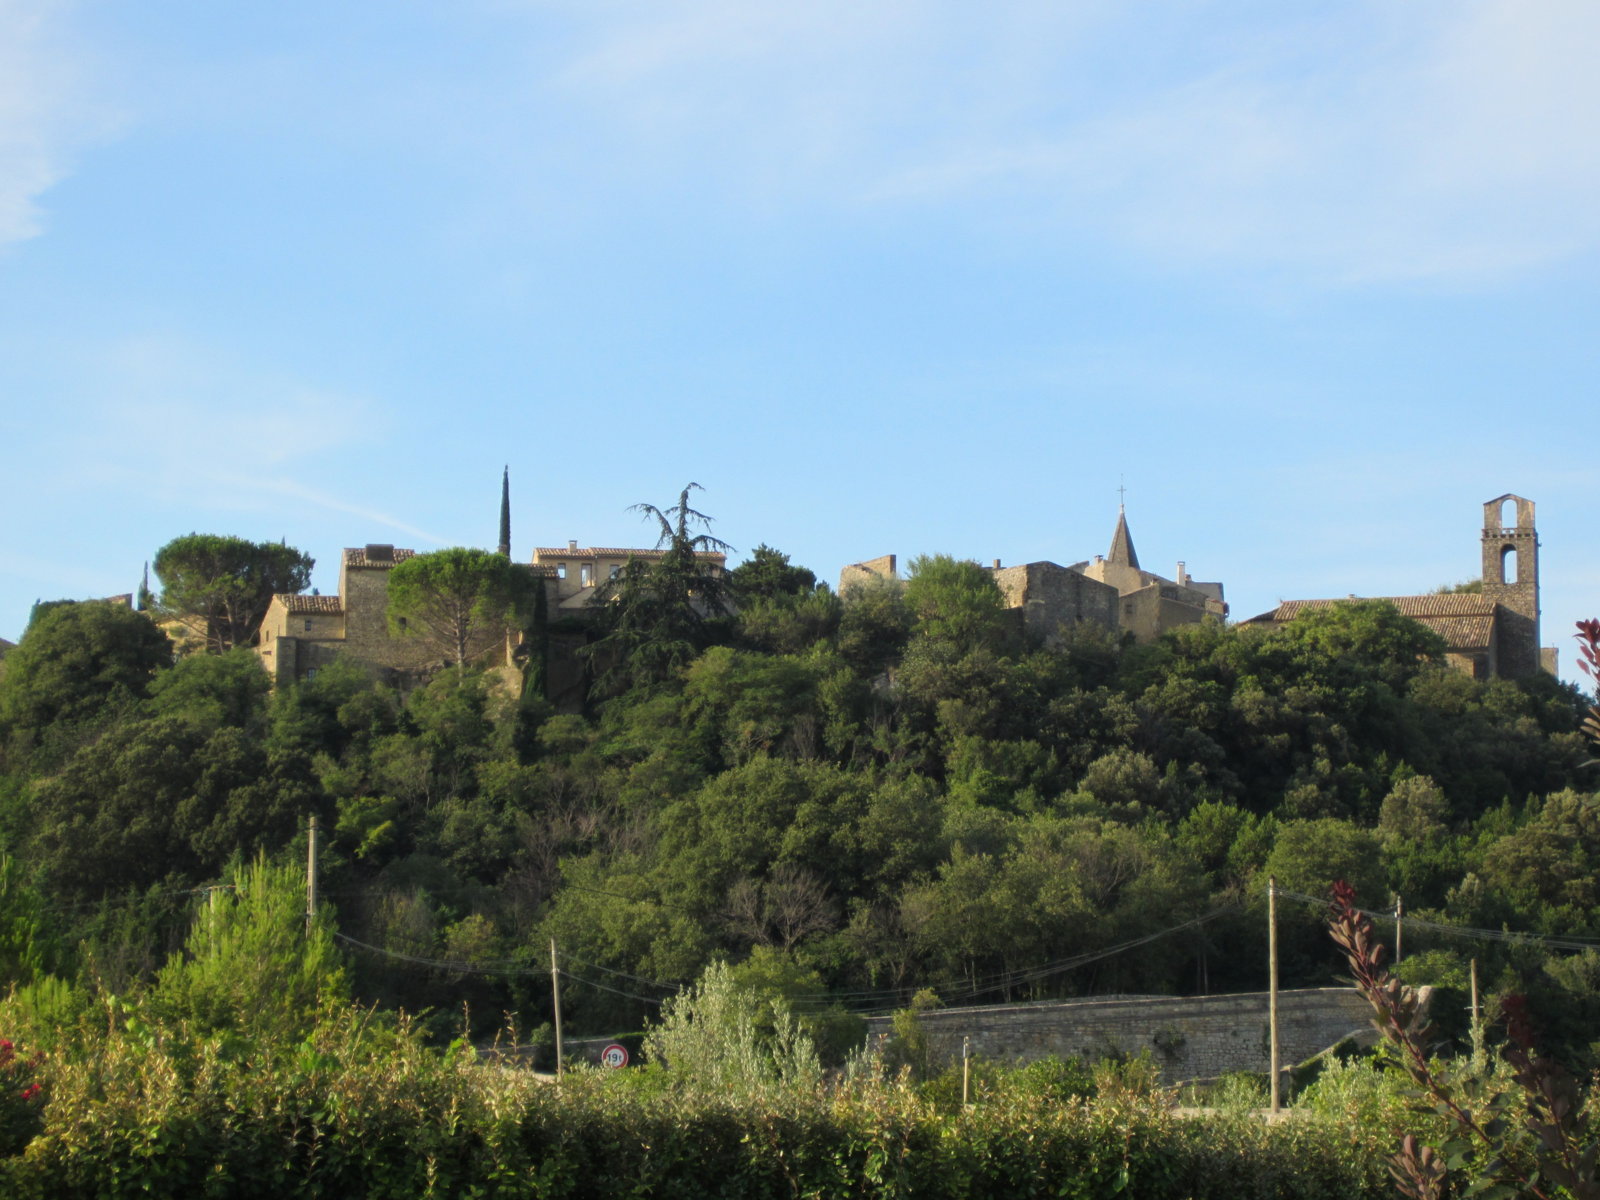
x,y
1192,1037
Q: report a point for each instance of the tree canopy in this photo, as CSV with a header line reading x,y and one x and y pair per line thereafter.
x,y
875,793
75,660
220,586
659,613
458,601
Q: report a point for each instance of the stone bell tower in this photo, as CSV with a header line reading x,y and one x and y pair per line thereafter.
x,y
1511,580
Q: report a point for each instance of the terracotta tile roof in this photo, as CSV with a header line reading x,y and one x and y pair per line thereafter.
x,y
356,556
1448,604
311,604
548,552
1464,619
1462,633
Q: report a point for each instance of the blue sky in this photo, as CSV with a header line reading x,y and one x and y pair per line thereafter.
x,y
1314,281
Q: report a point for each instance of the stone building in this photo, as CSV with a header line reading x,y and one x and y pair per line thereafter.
x,y
1111,591
1489,633
1148,604
302,633
573,572
572,575
299,634
864,573
1052,599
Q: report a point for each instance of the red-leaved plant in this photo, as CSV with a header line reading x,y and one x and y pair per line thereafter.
x,y
1531,1141
1588,636
21,1097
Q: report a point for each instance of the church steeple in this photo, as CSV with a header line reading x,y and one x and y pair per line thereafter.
x,y
1122,552
505,513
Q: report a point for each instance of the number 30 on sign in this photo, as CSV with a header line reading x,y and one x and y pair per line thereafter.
x,y
615,1055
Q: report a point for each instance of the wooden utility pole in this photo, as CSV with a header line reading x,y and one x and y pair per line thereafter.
x,y
1272,985
966,1071
555,991
311,875
1477,1027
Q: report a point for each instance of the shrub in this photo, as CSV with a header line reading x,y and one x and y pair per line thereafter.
x,y
720,1038
21,1097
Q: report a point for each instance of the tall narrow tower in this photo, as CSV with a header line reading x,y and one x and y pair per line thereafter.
x,y
505,513
1511,580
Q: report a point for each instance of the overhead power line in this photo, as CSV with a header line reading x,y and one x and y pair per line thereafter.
x,y
1468,932
502,969
862,1001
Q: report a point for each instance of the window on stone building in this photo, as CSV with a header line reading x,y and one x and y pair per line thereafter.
x,y
586,575
561,571
615,571
308,624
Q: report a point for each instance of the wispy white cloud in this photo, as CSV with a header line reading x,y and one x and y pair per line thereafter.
x,y
44,111
187,426
811,101
328,502
1444,140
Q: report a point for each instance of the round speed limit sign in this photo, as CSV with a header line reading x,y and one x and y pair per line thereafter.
x,y
614,1056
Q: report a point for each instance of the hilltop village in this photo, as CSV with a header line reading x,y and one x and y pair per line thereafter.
x,y
1038,811
1491,631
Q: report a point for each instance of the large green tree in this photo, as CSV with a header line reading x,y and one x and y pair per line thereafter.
x,y
220,586
955,602
768,574
458,601
658,614
75,660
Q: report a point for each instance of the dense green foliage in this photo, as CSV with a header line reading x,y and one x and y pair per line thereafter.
x,y
76,664
220,586
791,805
458,601
886,791
151,1105
658,613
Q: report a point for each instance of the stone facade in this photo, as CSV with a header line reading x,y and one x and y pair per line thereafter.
x,y
1051,599
573,572
864,573
1511,581
1493,633
1193,1037
1149,604
1111,591
301,634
